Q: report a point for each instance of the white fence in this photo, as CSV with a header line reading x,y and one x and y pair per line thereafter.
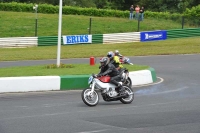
x,y
18,42
121,37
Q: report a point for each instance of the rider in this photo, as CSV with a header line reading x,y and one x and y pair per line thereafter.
x,y
114,60
122,59
118,54
108,68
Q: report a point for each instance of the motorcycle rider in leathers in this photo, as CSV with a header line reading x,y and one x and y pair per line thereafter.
x,y
114,59
124,60
107,68
118,54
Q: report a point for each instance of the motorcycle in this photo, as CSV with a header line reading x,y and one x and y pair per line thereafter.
x,y
124,73
90,96
125,60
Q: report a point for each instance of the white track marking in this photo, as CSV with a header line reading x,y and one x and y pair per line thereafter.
x,y
161,80
96,131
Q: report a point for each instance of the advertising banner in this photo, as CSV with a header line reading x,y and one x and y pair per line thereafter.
x,y
77,39
153,35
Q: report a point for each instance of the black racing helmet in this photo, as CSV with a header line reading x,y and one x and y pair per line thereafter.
x,y
104,61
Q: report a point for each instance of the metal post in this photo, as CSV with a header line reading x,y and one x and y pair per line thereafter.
x,y
36,27
182,22
36,18
90,25
59,33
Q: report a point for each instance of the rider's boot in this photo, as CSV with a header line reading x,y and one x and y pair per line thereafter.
x,y
120,89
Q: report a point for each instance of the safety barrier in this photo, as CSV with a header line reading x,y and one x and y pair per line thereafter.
x,y
102,38
32,83
97,39
48,40
67,82
18,42
121,37
180,33
53,40
73,82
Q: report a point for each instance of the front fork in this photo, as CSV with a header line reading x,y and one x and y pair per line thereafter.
x,y
92,87
90,93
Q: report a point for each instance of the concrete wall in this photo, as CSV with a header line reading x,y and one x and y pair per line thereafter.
x,y
68,82
33,83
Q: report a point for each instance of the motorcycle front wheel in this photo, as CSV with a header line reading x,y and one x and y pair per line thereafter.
x,y
90,98
129,98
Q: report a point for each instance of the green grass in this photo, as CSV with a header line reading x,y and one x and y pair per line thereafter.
x,y
41,70
21,24
15,24
175,46
167,47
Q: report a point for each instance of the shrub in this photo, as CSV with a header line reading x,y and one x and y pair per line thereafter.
x,y
54,66
193,15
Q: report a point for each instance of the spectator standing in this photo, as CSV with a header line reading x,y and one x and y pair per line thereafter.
x,y
137,10
131,12
142,13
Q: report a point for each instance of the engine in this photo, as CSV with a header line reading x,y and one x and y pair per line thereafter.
x,y
112,92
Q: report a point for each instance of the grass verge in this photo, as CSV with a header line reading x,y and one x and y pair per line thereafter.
x,y
173,46
42,70
22,24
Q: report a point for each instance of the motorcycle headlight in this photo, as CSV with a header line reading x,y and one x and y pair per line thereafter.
x,y
90,79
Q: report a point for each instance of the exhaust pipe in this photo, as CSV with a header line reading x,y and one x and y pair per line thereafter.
x,y
122,96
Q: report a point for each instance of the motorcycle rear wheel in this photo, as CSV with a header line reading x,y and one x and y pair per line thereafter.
x,y
128,99
90,99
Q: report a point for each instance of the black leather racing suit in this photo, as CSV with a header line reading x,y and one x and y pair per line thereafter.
x,y
110,70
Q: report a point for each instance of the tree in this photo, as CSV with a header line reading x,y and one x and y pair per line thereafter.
x,y
100,3
128,3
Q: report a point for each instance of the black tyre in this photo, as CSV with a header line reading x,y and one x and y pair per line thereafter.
x,y
90,99
129,98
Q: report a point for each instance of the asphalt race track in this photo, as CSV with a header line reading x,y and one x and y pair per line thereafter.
x,y
172,105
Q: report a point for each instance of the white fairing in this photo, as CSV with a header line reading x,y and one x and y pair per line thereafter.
x,y
103,85
127,60
106,87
